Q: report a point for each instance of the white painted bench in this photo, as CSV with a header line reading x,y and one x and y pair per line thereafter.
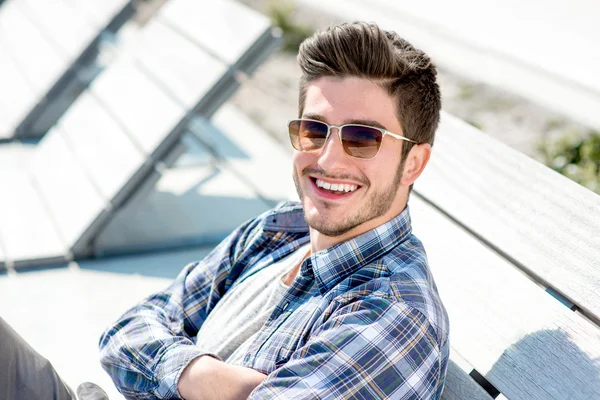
x,y
119,135
46,47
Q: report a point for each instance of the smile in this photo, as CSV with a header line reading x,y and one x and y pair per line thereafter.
x,y
335,187
332,190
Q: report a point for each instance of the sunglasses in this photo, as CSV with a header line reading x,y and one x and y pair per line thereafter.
x,y
358,141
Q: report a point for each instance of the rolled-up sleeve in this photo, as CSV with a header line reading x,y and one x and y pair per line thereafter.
x,y
147,348
371,348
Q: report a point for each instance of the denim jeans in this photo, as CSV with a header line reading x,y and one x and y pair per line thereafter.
x,y
24,373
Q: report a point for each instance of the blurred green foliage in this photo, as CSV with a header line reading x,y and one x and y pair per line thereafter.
x,y
281,15
577,157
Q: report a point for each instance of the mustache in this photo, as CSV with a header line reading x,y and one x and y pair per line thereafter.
x,y
321,173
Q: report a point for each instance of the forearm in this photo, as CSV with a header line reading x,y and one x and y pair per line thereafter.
x,y
207,378
142,353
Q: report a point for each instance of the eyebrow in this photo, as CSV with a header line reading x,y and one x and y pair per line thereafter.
x,y
368,122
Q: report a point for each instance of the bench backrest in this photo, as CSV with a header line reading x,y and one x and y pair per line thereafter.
x,y
507,237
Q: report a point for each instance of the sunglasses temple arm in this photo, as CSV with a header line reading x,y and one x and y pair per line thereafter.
x,y
400,137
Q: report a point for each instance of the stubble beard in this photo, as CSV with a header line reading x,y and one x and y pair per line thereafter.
x,y
375,205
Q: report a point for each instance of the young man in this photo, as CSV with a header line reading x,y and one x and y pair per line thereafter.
x,y
330,298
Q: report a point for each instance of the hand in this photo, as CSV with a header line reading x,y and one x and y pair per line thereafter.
x,y
207,378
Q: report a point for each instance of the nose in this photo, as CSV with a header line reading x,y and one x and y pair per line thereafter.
x,y
332,156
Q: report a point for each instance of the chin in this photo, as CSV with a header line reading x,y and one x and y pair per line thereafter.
x,y
324,221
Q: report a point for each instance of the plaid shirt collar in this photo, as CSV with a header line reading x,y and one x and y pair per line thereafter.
x,y
332,265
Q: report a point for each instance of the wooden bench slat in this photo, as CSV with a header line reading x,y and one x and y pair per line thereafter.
x,y
26,227
103,148
184,69
459,385
16,95
138,103
521,339
67,31
545,222
97,13
237,27
73,200
40,62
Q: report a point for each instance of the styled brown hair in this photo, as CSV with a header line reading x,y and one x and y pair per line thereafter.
x,y
364,50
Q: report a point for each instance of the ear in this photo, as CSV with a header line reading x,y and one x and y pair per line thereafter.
x,y
415,163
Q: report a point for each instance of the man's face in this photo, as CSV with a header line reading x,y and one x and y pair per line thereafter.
x,y
378,195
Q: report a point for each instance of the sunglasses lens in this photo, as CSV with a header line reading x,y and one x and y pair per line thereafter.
x,y
307,135
361,141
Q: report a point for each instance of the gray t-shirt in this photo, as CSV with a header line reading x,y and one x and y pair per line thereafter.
x,y
243,310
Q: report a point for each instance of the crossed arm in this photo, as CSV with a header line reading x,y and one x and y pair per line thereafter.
x,y
207,378
370,348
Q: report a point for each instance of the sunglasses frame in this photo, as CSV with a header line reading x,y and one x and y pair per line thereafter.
x,y
339,130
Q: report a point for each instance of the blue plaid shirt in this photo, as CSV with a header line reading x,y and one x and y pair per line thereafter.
x,y
363,319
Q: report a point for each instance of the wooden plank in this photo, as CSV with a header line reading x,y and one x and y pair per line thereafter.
x,y
227,29
520,338
26,227
17,95
28,47
74,202
184,69
96,13
137,102
548,224
459,385
101,145
246,148
67,31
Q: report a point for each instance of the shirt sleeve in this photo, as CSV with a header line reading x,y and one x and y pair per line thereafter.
x,y
148,347
369,349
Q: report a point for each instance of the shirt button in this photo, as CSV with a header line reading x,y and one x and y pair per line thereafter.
x,y
285,306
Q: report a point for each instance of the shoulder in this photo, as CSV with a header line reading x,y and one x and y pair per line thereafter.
x,y
401,279
270,230
412,283
284,217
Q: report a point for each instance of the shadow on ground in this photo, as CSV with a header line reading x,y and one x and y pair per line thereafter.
x,y
165,264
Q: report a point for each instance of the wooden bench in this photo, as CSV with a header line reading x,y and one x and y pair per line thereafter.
x,y
119,135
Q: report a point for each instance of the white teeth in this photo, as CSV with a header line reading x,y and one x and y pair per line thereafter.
x,y
338,187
